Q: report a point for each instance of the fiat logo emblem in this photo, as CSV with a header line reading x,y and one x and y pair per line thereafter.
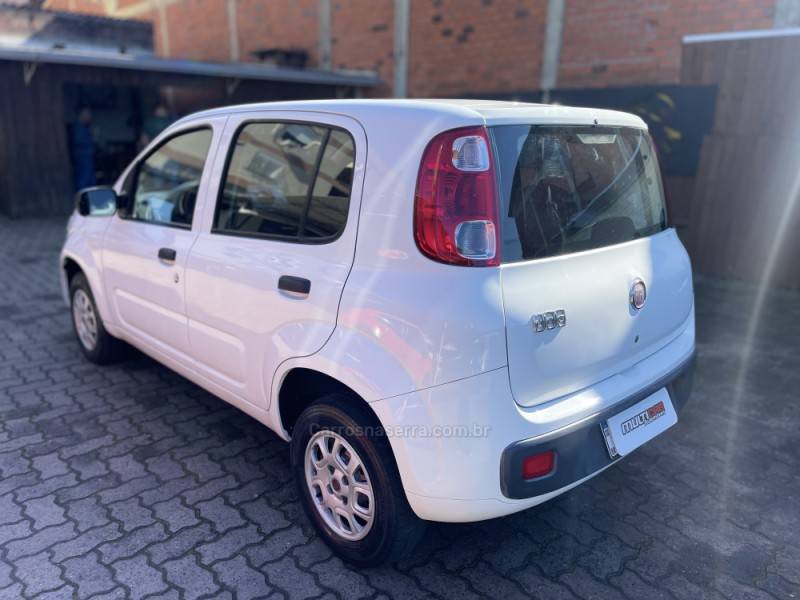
x,y
638,294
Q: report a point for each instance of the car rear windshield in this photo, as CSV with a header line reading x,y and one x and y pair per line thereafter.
x,y
566,189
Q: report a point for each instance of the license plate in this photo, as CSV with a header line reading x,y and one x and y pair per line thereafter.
x,y
638,424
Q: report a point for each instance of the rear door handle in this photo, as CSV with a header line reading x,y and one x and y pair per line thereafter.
x,y
296,285
168,254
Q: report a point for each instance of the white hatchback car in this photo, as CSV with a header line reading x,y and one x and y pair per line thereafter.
x,y
454,310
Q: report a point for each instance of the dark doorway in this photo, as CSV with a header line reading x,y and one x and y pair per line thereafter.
x,y
118,116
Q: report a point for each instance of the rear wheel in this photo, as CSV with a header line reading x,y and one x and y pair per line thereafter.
x,y
349,485
95,342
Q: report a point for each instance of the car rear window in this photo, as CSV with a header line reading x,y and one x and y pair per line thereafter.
x,y
566,189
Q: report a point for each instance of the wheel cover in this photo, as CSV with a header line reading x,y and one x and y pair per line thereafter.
x,y
339,485
85,319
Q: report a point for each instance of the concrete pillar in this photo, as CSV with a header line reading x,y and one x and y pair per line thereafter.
x,y
787,13
401,16
163,27
233,31
553,36
324,42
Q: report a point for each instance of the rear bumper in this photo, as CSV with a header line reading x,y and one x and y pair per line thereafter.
x,y
580,447
456,444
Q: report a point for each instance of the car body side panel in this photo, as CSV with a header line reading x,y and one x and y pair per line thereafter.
x,y
241,325
84,245
437,322
147,294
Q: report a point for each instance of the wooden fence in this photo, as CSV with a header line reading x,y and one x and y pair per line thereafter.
x,y
744,214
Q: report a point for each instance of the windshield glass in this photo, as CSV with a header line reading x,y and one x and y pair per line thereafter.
x,y
566,189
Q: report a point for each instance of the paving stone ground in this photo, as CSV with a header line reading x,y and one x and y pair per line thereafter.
x,y
130,482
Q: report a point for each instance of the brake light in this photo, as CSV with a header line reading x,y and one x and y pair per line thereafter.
x,y
455,210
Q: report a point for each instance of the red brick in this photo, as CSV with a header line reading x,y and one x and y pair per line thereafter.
x,y
459,47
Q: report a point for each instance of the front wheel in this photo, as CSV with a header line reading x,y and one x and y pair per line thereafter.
x,y
349,485
95,342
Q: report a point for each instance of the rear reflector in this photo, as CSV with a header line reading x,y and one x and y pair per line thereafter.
x,y
456,210
538,465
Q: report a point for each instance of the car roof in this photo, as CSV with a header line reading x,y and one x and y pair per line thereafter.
x,y
490,112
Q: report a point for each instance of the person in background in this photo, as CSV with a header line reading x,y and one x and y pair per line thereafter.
x,y
154,125
82,150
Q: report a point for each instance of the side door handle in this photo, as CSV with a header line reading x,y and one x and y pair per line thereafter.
x,y
167,254
296,285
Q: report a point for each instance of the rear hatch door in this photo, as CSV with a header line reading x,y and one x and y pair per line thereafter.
x,y
584,232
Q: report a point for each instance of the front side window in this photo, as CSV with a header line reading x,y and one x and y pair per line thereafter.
x,y
567,189
167,181
289,181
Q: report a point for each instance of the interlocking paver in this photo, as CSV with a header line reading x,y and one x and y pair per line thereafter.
x,y
170,490
238,575
175,514
210,490
130,482
41,540
139,578
489,584
86,541
220,515
583,585
262,514
38,574
15,531
229,544
190,577
131,514
5,575
534,583
180,543
278,544
65,592
440,582
287,576
133,543
13,591
50,465
10,510
89,575
44,511
165,467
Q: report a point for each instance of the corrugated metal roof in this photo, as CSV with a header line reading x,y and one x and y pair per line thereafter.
x,y
155,64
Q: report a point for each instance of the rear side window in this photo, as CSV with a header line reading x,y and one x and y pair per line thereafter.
x,y
567,189
166,182
289,181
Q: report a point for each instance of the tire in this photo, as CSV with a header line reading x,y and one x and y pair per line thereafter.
x,y
393,530
95,342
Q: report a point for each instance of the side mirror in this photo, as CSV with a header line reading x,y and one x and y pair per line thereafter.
x,y
96,202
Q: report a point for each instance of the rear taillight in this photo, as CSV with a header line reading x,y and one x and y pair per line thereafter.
x,y
455,211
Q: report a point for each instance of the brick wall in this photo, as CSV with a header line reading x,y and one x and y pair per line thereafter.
x,y
629,42
277,24
470,47
89,7
457,47
363,38
198,29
